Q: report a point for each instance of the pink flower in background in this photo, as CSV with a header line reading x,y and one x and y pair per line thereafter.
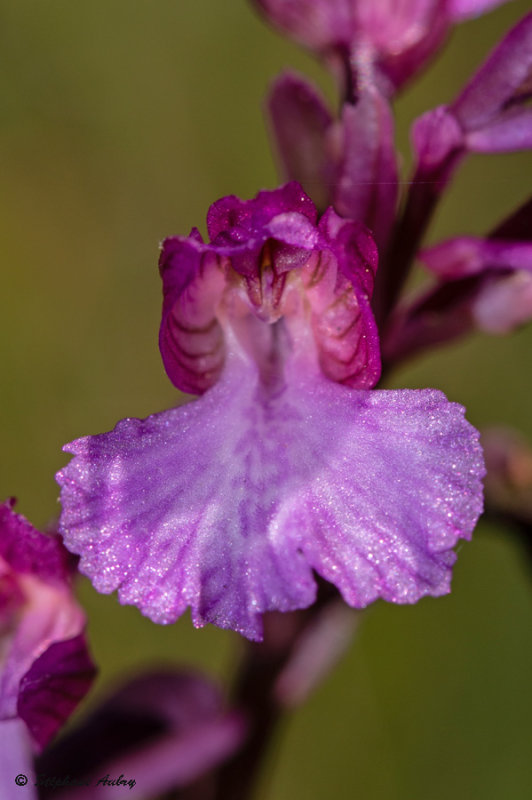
x,y
45,666
391,40
289,464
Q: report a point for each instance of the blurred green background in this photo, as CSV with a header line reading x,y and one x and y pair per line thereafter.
x,y
121,120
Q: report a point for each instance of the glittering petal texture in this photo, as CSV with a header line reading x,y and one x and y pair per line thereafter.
x,y
226,505
53,686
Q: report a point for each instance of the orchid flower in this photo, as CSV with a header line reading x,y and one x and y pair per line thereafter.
x,y
289,464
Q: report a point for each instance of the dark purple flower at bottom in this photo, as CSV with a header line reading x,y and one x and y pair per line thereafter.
x,y
158,732
289,463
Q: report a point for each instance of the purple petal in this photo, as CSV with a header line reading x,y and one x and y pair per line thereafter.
x,y
178,760
488,116
190,338
499,81
367,181
29,551
300,120
227,505
53,686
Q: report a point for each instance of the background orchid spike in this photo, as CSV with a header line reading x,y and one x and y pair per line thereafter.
x,y
287,465
383,40
491,114
46,667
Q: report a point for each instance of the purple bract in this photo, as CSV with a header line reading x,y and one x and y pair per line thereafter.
x,y
288,464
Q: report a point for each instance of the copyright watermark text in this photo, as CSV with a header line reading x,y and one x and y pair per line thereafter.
x,y
55,781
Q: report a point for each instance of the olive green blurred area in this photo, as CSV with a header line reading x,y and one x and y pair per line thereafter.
x,y
120,122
